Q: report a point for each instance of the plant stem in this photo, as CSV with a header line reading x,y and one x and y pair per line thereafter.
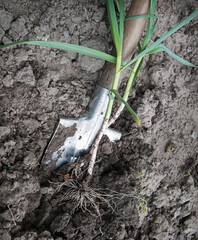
x,y
127,91
107,116
107,121
115,86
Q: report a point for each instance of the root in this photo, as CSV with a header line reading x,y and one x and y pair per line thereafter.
x,y
116,115
12,215
94,148
84,196
88,199
96,143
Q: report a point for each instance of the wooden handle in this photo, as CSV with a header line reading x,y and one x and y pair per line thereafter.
x,y
132,32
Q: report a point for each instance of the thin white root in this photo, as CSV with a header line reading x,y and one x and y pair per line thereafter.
x,y
96,143
89,199
13,218
116,115
95,148
84,196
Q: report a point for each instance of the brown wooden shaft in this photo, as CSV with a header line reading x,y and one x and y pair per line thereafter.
x,y
132,33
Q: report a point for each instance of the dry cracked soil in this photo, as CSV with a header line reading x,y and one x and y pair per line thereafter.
x,y
145,185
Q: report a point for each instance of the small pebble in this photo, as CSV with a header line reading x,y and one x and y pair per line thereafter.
x,y
194,135
65,33
189,49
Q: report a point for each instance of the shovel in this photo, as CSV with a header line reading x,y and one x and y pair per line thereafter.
x,y
73,137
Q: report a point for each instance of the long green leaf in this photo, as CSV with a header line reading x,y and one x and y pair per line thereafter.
x,y
173,30
149,26
67,46
121,25
113,24
161,48
127,106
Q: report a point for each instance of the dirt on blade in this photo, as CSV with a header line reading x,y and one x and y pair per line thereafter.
x,y
58,139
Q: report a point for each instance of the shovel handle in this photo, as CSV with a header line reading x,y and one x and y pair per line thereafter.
x,y
132,32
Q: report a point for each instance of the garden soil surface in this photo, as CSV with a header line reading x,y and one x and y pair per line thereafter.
x,y
145,185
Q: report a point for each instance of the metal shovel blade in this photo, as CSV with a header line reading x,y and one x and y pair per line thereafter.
x,y
74,136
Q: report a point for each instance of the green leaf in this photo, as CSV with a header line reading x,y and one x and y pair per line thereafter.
x,y
121,25
153,28
66,46
112,97
69,47
117,5
127,106
149,26
114,25
156,49
161,48
141,16
173,30
139,47
136,72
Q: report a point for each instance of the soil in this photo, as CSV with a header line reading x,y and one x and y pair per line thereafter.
x,y
144,186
